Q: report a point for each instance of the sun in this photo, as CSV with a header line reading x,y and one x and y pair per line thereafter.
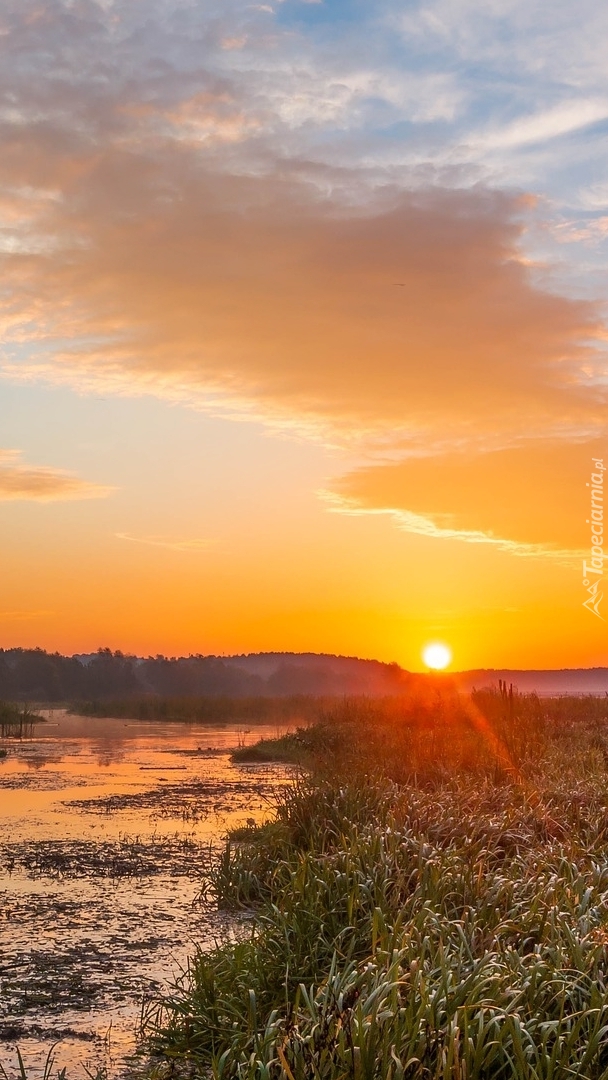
x,y
437,655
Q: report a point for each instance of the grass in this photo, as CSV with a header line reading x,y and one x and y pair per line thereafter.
x,y
431,901
297,748
436,733
47,1071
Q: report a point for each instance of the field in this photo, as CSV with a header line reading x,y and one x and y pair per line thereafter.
x,y
431,900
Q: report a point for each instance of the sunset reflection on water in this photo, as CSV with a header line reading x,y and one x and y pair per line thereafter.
x,y
106,828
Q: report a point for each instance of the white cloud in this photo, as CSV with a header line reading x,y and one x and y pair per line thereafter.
x,y
561,119
594,197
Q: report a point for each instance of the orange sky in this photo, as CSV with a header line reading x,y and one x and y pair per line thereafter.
x,y
302,349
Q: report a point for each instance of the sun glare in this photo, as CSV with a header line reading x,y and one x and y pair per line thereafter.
x,y
437,656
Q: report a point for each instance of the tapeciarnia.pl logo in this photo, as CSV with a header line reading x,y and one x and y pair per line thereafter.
x,y
593,571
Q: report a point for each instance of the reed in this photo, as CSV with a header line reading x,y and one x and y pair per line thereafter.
x,y
17,721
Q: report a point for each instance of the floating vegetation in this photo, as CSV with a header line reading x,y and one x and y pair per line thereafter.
x,y
128,857
192,800
39,780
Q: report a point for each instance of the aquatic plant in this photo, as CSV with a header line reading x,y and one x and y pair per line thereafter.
x,y
48,1071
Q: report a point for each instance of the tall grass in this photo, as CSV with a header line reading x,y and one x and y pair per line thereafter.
x,y
436,734
431,901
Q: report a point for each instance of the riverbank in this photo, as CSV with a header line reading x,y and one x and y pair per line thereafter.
x,y
431,901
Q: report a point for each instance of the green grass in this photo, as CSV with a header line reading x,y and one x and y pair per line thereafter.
x,y
431,901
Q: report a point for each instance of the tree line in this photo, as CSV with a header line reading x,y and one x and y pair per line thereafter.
x,y
37,675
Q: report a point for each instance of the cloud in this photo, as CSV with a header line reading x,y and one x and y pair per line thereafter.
x,y
529,499
550,46
210,117
410,318
39,483
561,119
194,544
187,228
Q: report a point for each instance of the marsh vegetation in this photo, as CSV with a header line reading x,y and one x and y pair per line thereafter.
x,y
16,722
431,900
192,709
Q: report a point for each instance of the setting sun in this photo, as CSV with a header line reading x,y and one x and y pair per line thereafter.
x,y
437,655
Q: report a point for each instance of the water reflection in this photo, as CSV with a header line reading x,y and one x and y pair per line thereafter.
x,y
17,729
109,751
101,863
38,762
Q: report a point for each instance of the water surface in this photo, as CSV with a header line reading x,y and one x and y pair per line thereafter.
x,y
106,829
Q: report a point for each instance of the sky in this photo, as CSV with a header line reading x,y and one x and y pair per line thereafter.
x,y
303,327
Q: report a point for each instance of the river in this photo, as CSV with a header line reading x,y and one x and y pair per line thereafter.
x,y
106,830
